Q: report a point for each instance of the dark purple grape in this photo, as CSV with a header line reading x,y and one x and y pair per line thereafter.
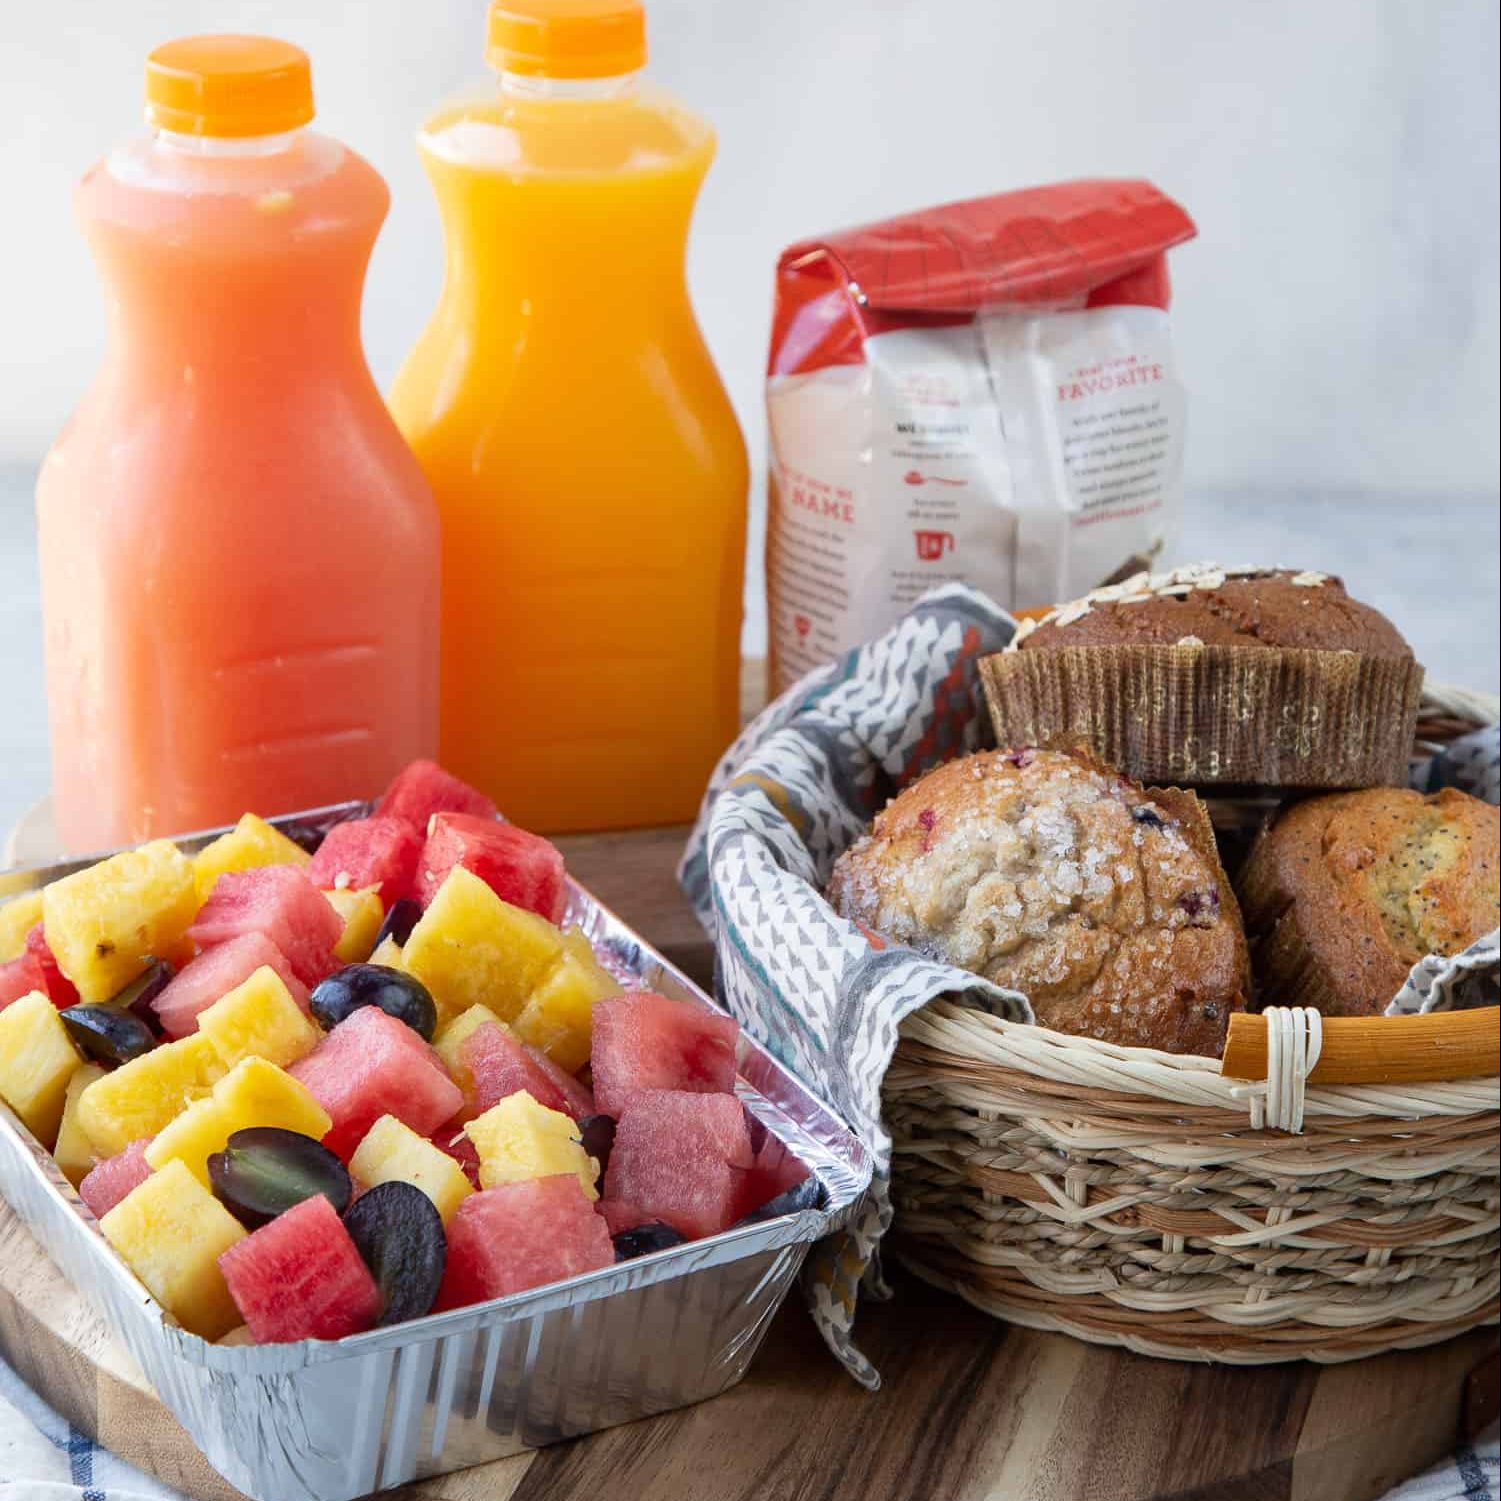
x,y
644,1239
805,1195
597,1132
400,921
107,1034
138,996
264,1170
399,1232
397,994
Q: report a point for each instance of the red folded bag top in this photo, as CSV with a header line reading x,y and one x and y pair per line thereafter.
x,y
1014,421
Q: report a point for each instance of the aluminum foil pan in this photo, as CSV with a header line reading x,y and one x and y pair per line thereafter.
x,y
330,1420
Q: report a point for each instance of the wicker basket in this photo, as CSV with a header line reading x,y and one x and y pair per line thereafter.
x,y
1122,1196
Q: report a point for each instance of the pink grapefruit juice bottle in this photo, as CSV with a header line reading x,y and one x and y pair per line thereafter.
x,y
239,553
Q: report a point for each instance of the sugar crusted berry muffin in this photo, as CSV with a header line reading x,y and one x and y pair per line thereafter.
x,y
1045,872
1210,676
1344,894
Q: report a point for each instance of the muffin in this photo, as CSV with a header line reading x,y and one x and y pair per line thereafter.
x,y
1344,894
1248,677
1044,871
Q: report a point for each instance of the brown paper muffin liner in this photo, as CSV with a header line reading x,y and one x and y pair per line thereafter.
x,y
1214,715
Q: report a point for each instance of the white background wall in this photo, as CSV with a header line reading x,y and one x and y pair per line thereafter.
x,y
1337,318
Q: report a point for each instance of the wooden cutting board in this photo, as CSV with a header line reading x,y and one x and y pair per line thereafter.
x,y
971,1408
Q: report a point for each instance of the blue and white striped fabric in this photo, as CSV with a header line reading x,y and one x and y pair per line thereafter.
x,y
44,1458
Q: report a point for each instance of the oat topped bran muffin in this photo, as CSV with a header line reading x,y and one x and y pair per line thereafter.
x,y
1048,873
1211,677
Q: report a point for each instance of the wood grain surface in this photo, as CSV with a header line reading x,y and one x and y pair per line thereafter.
x,y
971,1408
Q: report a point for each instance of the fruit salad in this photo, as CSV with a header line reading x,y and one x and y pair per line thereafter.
x,y
305,1093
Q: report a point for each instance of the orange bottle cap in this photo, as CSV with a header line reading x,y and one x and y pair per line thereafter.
x,y
567,38
228,86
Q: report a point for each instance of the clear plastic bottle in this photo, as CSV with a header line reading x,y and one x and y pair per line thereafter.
x,y
588,468
239,553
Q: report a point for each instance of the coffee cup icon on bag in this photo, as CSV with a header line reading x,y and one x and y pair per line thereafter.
x,y
932,545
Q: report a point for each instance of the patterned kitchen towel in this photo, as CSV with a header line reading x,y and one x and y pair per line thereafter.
x,y
44,1458
1471,1473
795,789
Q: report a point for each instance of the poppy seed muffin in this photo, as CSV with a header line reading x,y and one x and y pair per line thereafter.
x,y
1344,894
1045,872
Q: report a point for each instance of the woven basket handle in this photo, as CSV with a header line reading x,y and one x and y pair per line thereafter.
x,y
1381,1049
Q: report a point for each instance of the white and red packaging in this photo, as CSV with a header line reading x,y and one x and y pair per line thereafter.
x,y
982,392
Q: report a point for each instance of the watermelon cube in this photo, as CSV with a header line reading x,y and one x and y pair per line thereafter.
x,y
364,852
463,1151
280,902
647,1041
57,987
680,1157
19,978
424,788
110,1180
301,1277
773,1172
519,1235
523,869
500,1065
372,1065
35,969
214,973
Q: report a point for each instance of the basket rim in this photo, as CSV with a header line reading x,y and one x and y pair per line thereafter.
x,y
1188,1079
976,1036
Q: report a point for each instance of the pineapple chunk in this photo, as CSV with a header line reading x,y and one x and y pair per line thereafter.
x,y
393,1152
472,948
73,1153
519,1139
450,1039
558,1016
252,1093
141,1096
362,914
37,1058
171,1231
259,1019
389,953
250,844
17,918
104,924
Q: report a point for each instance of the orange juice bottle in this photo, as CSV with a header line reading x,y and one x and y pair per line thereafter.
x,y
239,553
589,472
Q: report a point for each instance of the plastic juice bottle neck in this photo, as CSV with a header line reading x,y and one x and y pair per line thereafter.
x,y
228,146
531,87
